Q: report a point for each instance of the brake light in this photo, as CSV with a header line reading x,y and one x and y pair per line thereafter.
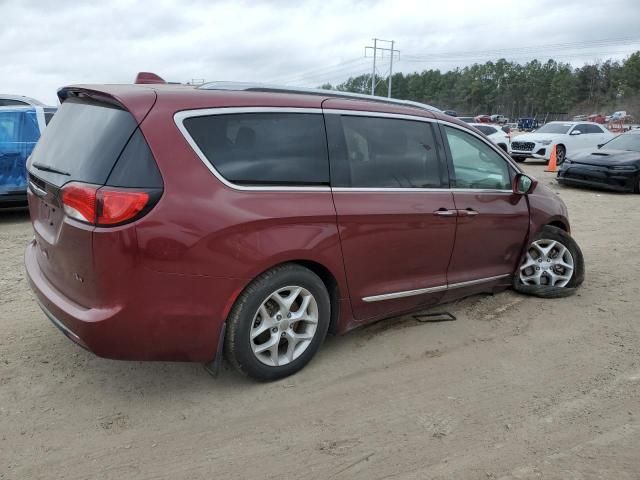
x,y
119,205
79,201
102,206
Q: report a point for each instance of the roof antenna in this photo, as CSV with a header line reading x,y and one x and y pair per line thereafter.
x,y
148,77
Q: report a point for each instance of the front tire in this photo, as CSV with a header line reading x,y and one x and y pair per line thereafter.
x,y
561,154
553,265
278,323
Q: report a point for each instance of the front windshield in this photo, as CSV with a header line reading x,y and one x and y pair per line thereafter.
x,y
629,142
554,128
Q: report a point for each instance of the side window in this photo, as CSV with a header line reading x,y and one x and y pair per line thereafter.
x,y
387,153
475,164
486,130
584,128
264,148
593,129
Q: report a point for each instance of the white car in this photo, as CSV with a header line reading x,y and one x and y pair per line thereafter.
x,y
569,137
495,134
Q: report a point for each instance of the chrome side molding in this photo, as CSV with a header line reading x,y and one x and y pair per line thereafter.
x,y
421,291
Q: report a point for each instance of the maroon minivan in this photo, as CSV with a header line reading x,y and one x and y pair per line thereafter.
x,y
177,223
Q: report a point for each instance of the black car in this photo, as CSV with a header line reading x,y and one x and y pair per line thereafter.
x,y
614,166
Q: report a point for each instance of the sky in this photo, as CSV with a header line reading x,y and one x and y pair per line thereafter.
x,y
45,45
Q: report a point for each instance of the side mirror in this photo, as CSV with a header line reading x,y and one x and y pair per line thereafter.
x,y
506,129
576,132
523,184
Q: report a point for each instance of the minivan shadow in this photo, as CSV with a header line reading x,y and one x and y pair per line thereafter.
x,y
161,379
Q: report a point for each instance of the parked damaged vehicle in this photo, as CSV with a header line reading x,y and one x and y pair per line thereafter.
x,y
178,223
614,165
20,128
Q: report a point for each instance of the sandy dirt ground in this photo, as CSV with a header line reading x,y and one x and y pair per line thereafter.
x,y
517,387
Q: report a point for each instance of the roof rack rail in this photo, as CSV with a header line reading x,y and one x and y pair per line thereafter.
x,y
261,87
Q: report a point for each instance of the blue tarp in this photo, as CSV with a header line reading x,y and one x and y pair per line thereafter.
x,y
19,132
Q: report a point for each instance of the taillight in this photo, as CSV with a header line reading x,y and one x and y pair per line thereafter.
x,y
79,201
119,205
103,206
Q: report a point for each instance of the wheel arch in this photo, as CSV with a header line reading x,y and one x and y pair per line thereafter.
x,y
326,275
559,224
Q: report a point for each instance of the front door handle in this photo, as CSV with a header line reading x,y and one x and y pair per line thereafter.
x,y
468,212
443,212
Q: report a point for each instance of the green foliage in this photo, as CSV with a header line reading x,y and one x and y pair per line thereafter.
x,y
513,89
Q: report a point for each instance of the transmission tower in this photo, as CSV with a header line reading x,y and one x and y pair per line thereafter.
x,y
392,53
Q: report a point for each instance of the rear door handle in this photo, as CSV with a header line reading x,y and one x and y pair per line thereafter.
x,y
468,212
443,212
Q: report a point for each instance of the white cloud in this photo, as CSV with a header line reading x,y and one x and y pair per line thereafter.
x,y
45,45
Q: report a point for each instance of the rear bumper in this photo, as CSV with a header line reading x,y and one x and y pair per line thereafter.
x,y
171,318
596,177
62,327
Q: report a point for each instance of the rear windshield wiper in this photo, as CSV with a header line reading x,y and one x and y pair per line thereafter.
x,y
47,168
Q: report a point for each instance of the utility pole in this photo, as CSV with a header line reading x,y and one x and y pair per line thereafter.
x,y
390,69
376,49
373,74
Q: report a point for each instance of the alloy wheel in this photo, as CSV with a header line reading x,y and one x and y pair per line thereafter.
x,y
547,263
284,326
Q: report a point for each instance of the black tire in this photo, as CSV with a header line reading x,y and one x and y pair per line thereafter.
x,y
238,350
554,233
518,159
637,187
561,154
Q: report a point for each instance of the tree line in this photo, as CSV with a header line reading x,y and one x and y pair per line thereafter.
x,y
516,90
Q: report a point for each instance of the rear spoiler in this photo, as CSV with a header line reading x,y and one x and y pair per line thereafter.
x,y
137,100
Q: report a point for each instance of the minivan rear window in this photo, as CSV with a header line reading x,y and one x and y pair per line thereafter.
x,y
264,148
82,142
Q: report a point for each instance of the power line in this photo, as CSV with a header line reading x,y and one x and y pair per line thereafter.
x,y
317,71
327,74
531,56
520,50
354,66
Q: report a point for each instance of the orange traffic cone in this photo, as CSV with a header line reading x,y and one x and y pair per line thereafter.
x,y
552,165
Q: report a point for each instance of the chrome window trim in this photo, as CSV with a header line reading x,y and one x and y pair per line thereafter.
x,y
421,291
367,113
409,190
181,116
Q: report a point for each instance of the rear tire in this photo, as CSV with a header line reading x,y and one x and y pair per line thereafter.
x,y
278,323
